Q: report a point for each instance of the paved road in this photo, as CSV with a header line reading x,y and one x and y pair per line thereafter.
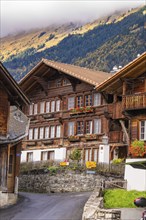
x,y
131,214
67,206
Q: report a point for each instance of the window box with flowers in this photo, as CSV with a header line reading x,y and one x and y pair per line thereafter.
x,y
137,149
73,138
90,137
81,110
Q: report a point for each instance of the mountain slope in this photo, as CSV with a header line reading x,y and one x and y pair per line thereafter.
x,y
114,40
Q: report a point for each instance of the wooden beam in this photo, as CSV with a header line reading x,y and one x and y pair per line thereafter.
x,y
42,83
125,131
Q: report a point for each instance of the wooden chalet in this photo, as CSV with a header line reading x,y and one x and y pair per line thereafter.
x,y
125,95
13,128
66,111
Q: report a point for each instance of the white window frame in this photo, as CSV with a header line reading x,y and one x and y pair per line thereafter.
x,y
36,133
71,126
44,155
30,135
47,132
35,108
47,107
90,127
42,107
58,131
29,156
31,109
97,126
97,99
41,134
58,105
52,106
143,130
71,102
52,131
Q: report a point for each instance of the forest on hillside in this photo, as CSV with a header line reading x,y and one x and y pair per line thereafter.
x,y
105,46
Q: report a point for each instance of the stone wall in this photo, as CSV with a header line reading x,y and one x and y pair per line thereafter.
x,y
93,209
64,182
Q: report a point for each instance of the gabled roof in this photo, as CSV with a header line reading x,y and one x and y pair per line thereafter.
x,y
87,75
132,70
11,87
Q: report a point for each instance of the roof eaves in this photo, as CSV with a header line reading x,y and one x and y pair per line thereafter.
x,y
49,63
120,72
15,85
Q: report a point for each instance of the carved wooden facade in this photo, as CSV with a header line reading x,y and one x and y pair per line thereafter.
x,y
12,130
125,93
66,111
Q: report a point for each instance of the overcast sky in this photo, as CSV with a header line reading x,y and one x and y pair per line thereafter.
x,y
26,14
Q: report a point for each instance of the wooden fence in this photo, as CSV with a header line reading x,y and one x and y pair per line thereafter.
x,y
111,168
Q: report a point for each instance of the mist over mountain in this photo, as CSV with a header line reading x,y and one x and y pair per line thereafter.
x,y
102,44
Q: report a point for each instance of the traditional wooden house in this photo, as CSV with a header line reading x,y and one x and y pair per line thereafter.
x,y
66,111
13,128
125,95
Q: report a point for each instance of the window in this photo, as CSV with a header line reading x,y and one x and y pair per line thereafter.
x,y
64,82
88,127
57,105
47,107
53,106
80,127
29,156
88,155
58,83
51,155
41,136
46,132
35,108
88,100
71,102
79,101
44,155
30,136
70,128
31,110
58,131
97,126
97,99
42,107
52,131
35,133
143,130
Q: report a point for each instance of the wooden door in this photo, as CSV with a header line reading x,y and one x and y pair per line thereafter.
x,y
3,169
11,170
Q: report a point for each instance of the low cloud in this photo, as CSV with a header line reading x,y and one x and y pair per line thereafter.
x,y
23,15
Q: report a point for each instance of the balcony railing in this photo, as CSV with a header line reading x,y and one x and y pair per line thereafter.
x,y
136,101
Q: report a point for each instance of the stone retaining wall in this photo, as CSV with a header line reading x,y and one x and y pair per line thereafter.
x,y
93,209
65,182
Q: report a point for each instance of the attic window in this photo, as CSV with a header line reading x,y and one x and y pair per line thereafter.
x,y
65,82
58,83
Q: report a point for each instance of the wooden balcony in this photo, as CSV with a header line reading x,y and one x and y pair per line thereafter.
x,y
134,102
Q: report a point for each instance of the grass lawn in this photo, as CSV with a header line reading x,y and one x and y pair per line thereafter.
x,y
120,198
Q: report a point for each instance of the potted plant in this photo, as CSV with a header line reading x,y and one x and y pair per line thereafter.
x,y
137,149
73,138
91,136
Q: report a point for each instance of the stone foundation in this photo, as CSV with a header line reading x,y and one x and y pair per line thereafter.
x,y
7,199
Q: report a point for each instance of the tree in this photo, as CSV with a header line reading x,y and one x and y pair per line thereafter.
x,y
75,155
